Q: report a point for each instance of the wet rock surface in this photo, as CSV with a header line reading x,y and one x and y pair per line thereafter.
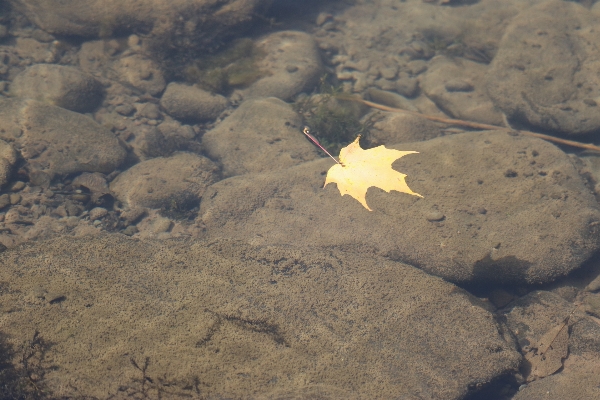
x,y
293,63
204,20
141,73
457,88
173,182
326,305
549,79
55,141
8,158
393,128
261,135
537,313
59,85
189,103
207,311
515,210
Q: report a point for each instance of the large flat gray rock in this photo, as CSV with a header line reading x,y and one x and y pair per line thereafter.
x,y
227,320
496,208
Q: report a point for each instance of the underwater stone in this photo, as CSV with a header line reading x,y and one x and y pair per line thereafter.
x,y
190,103
60,85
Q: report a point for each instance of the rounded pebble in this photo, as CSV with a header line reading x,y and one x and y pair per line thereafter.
x,y
15,198
4,200
433,216
97,213
130,230
161,225
190,103
17,186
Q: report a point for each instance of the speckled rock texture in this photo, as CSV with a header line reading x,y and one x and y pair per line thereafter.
x,y
59,85
457,88
175,182
263,322
190,103
530,318
293,64
546,71
8,158
55,141
141,73
514,209
203,20
260,135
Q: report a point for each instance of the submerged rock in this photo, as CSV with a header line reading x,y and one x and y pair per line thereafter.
x,y
175,182
183,23
292,63
298,322
260,135
60,85
546,70
515,210
8,158
190,103
55,141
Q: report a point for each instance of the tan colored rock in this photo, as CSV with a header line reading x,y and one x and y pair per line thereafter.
x,y
260,135
169,23
267,322
141,73
546,70
292,63
8,158
190,103
537,314
393,128
55,141
173,183
515,210
60,85
457,88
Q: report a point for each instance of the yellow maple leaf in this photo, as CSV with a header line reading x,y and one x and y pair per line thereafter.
x,y
360,169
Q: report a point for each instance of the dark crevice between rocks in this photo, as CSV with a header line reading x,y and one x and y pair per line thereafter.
x,y
502,387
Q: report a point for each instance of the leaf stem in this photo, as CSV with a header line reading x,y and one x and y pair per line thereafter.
x,y
306,131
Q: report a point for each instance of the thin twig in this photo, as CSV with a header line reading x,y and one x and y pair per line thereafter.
x,y
474,125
